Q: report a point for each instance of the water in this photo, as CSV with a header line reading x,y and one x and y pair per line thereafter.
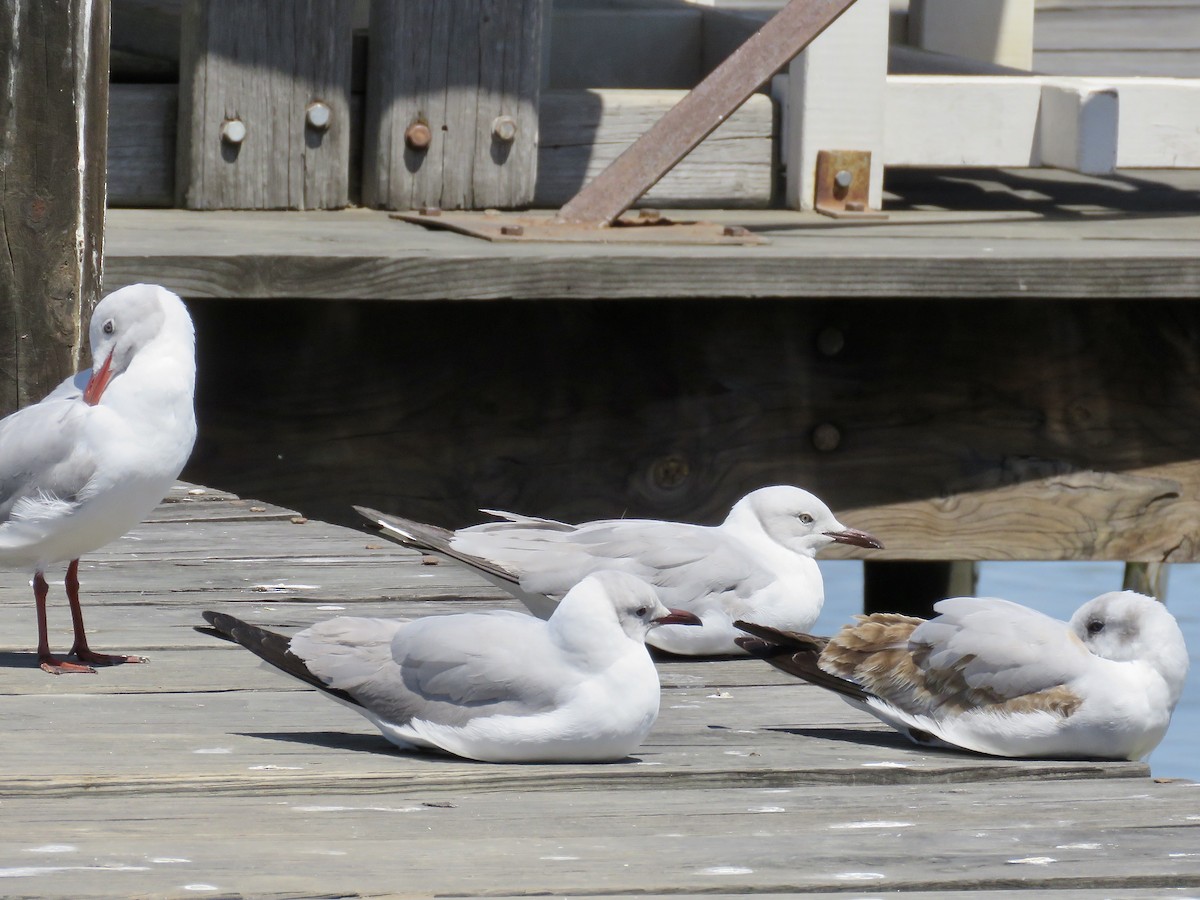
x,y
1058,589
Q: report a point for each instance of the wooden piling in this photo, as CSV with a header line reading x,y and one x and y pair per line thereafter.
x,y
53,129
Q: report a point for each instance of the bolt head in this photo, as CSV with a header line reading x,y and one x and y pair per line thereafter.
x,y
512,230
504,128
318,115
843,179
826,437
418,136
233,131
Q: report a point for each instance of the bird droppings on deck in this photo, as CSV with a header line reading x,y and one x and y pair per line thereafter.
x,y
859,876
1032,861
856,825
727,870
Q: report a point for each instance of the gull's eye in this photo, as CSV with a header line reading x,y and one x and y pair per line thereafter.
x,y
109,327
1095,626
641,612
805,519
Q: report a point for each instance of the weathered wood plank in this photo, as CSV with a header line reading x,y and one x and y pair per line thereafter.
x,y
248,136
143,119
583,131
452,98
996,31
53,118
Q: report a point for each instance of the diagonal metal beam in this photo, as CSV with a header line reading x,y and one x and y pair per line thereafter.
x,y
699,113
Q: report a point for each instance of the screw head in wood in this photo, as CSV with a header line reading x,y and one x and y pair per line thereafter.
x,y
504,128
233,131
512,230
831,341
826,437
318,115
418,136
669,473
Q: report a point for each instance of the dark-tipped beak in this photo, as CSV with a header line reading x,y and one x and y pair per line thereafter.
x,y
677,617
98,382
856,537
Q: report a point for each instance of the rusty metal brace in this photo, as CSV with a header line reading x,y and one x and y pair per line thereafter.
x,y
601,202
844,184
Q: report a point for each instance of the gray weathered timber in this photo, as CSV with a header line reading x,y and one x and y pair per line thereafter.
x,y
580,132
53,115
1118,37
583,131
452,98
263,65
205,772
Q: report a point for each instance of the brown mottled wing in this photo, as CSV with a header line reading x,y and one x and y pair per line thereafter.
x,y
979,652
795,653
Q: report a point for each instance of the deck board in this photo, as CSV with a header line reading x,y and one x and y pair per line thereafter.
x,y
204,772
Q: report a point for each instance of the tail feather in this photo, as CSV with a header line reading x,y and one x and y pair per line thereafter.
x,y
797,654
432,539
268,646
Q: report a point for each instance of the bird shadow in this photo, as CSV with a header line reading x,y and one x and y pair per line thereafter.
x,y
379,746
890,740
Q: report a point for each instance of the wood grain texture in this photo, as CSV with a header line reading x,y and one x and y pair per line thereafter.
x,y
141,144
53,115
1037,430
453,68
263,64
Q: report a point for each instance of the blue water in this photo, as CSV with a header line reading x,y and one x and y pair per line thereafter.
x,y
1058,589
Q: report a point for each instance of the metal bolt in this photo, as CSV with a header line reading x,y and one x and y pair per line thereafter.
x,y
418,136
504,128
512,230
843,179
826,437
670,473
831,341
318,115
735,231
233,131
855,206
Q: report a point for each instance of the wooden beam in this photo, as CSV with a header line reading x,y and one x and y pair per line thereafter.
x,y
53,118
835,100
452,95
581,132
264,119
996,31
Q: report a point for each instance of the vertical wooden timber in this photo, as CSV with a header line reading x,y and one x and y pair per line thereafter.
x,y
264,105
995,31
912,587
452,98
53,131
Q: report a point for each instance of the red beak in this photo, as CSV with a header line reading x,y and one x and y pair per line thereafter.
x,y
98,382
677,617
856,538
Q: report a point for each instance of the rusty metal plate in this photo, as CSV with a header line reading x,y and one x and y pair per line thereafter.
x,y
844,184
643,227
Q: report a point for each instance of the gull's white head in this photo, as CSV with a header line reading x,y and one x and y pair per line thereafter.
x,y
608,595
126,322
1128,627
796,519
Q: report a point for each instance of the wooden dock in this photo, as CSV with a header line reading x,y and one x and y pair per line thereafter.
x,y
202,774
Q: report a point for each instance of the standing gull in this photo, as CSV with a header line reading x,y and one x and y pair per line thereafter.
x,y
758,564
88,462
496,686
996,677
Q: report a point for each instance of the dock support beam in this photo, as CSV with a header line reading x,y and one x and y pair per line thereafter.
x,y
53,139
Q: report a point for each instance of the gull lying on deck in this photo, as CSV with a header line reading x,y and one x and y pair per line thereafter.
x,y
758,564
999,678
93,458
495,686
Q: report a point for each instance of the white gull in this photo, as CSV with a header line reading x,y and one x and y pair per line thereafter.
x,y
758,564
92,459
999,678
497,686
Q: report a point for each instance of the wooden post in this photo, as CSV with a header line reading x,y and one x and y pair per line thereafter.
x,y
913,587
452,98
835,99
264,104
53,129
996,31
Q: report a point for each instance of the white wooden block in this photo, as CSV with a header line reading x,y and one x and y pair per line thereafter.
x,y
1077,127
997,31
1159,123
835,99
952,120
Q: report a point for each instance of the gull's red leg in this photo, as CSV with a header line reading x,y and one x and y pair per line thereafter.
x,y
46,660
80,650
